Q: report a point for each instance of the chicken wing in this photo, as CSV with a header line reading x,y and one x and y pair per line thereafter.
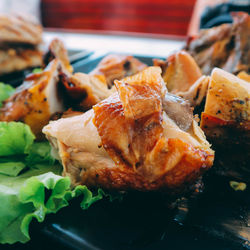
x,y
130,141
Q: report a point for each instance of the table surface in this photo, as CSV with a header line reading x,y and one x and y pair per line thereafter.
x,y
126,44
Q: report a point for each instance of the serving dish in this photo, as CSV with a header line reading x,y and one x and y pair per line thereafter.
x,y
216,219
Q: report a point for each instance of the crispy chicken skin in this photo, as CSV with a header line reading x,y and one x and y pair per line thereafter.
x,y
56,49
227,108
117,67
82,91
183,77
244,76
128,141
35,100
226,123
225,46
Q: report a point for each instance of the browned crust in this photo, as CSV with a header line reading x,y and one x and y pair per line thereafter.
x,y
193,164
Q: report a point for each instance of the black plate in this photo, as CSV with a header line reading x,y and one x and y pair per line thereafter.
x,y
218,218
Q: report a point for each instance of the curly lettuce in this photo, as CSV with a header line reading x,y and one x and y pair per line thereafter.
x,y
22,198
27,173
16,138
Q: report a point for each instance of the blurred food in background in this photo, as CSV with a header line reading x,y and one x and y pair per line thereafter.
x,y
19,43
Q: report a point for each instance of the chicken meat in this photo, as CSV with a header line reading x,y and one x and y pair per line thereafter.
x,y
132,140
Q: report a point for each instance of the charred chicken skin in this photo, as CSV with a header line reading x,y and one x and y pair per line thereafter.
x,y
130,141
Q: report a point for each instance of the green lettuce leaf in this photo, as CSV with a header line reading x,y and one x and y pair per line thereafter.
x,y
37,70
5,92
15,138
11,168
22,198
27,173
40,153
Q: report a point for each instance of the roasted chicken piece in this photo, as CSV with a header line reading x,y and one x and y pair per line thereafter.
x,y
244,76
225,46
19,41
183,77
227,106
117,67
226,121
35,100
133,140
83,91
56,49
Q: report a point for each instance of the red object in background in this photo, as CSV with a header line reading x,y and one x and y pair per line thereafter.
x,y
147,16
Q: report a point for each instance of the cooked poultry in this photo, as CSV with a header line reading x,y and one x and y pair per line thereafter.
x,y
19,42
83,91
244,76
35,100
54,90
226,121
132,140
183,77
117,67
225,46
227,106
56,49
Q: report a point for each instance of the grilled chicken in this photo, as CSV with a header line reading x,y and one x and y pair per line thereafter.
x,y
225,46
117,67
56,49
183,77
35,100
19,42
227,105
244,76
226,122
83,91
132,140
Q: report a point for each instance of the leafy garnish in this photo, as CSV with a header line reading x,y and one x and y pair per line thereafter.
x,y
37,70
22,198
238,186
40,153
5,92
15,138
